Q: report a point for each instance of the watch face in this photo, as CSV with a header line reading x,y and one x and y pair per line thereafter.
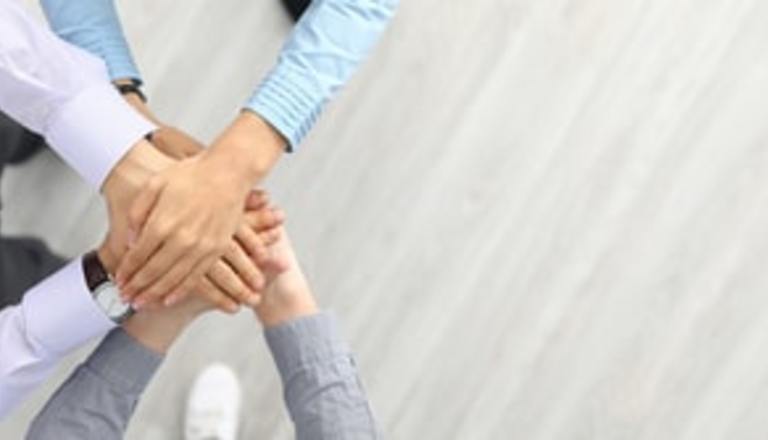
x,y
108,297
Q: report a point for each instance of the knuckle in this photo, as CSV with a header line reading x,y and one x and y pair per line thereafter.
x,y
160,229
206,245
185,239
220,247
152,294
232,248
138,281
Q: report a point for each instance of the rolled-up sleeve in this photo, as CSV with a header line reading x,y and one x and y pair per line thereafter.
x,y
65,94
321,383
98,399
56,316
326,47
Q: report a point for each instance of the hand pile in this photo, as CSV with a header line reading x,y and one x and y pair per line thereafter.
x,y
184,220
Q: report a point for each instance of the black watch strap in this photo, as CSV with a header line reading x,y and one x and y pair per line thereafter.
x,y
127,89
95,273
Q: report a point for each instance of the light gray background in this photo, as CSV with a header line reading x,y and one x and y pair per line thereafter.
x,y
537,219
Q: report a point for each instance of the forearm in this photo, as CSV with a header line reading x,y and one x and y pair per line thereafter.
x,y
322,53
64,93
322,388
35,335
324,50
93,25
98,399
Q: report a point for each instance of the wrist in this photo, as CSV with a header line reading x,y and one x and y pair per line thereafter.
x,y
140,163
136,99
156,336
285,304
157,330
107,258
251,145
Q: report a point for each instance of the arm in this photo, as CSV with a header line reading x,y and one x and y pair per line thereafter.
x,y
98,399
93,25
321,384
36,334
325,49
64,93
323,392
322,53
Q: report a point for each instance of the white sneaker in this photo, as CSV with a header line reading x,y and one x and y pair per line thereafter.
x,y
213,409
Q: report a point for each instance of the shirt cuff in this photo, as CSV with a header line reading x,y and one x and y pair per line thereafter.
x,y
94,130
285,100
124,362
60,312
307,340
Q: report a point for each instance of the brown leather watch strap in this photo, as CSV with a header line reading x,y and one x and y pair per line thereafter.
x,y
95,273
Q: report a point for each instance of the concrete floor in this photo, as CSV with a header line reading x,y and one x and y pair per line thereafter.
x,y
537,219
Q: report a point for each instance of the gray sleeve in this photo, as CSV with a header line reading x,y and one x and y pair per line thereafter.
x,y
321,384
98,399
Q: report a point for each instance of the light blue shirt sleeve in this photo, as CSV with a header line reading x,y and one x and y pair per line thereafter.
x,y
94,26
325,48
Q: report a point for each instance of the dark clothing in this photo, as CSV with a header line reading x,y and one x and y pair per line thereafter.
x,y
296,8
23,261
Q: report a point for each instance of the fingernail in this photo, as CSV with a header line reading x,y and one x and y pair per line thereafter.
x,y
138,305
170,300
279,215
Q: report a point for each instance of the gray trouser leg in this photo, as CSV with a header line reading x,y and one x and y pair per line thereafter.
x,y
23,262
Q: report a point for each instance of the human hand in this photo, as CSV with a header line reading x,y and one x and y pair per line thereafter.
x,y
176,143
254,235
186,215
264,222
288,295
227,283
185,218
239,268
168,139
252,143
123,185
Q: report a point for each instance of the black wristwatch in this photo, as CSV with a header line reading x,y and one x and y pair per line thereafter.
x,y
134,87
104,290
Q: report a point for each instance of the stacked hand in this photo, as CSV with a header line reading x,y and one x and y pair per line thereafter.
x,y
287,297
185,220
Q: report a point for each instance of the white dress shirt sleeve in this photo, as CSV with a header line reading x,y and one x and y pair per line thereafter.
x,y
65,94
56,316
